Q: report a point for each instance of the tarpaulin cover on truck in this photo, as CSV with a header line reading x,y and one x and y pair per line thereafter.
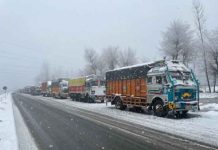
x,y
132,72
77,85
77,82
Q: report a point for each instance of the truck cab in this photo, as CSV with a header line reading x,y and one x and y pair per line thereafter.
x,y
172,87
59,88
95,88
63,88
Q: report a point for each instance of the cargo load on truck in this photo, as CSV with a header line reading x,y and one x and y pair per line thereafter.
x,y
59,88
87,89
161,86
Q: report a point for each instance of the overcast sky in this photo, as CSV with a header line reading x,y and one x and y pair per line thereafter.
x,y
57,31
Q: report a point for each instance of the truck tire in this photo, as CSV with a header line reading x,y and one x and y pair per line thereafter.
x,y
91,100
184,113
119,104
159,109
73,98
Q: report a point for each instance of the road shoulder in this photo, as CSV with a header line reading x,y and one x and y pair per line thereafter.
x,y
25,140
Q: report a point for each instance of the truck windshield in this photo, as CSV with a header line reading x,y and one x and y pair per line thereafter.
x,y
178,75
64,85
187,76
97,83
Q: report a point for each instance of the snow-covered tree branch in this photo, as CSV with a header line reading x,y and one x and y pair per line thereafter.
x,y
177,42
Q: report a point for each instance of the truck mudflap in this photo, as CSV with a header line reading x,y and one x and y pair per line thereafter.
x,y
177,106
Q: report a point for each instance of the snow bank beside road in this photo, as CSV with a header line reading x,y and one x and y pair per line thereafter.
x,y
208,95
8,139
25,140
209,107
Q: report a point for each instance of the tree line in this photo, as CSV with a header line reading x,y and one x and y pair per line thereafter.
x,y
96,63
109,59
195,47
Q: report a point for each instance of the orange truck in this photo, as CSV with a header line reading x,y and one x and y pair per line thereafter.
x,y
59,88
46,88
161,86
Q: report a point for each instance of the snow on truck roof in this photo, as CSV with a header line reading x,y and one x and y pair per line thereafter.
x,y
133,66
142,70
176,65
173,65
88,77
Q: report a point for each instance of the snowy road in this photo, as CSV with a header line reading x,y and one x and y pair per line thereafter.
x,y
57,125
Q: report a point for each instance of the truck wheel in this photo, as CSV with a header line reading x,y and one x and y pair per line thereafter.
x,y
159,109
119,104
91,100
184,113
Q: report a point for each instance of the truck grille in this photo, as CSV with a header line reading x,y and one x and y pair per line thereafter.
x,y
185,94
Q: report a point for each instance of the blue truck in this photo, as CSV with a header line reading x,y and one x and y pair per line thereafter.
x,y
161,86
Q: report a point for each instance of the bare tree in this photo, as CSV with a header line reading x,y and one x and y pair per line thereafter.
x,y
200,25
127,57
213,72
91,58
213,56
177,42
111,57
45,71
101,65
44,74
57,73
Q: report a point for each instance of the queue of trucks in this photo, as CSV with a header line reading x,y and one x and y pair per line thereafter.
x,y
85,89
160,86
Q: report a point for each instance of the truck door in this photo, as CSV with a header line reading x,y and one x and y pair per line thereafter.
x,y
155,87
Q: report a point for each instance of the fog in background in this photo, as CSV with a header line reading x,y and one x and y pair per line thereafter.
x,y
57,32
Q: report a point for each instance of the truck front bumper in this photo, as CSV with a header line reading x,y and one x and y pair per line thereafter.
x,y
99,99
180,106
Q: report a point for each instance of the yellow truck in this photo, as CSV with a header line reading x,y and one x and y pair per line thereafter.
x,y
87,89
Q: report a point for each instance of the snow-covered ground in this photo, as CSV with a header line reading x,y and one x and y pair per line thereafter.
x,y
208,95
206,89
209,107
8,139
201,126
